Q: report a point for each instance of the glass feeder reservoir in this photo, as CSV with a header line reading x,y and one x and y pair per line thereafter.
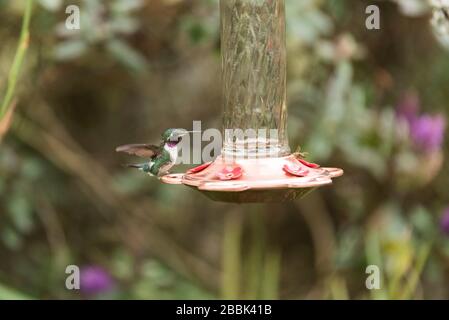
x,y
255,164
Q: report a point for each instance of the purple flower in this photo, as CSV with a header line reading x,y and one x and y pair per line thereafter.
x,y
426,131
444,222
95,280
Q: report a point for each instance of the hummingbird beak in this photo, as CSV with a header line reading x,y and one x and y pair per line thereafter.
x,y
186,132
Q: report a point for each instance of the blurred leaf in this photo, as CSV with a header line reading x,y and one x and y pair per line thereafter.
x,y
127,5
52,5
399,257
413,7
127,55
11,239
69,49
20,211
348,247
413,280
422,222
327,132
386,130
123,265
11,294
31,168
124,25
305,21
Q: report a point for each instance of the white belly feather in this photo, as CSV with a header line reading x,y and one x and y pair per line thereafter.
x,y
173,151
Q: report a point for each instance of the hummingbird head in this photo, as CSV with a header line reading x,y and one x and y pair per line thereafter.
x,y
173,136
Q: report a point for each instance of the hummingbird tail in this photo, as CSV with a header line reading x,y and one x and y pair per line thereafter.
x,y
137,166
145,167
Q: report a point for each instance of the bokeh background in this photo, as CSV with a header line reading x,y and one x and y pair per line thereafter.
x,y
373,102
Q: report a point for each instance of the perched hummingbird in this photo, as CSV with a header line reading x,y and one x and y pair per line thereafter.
x,y
162,157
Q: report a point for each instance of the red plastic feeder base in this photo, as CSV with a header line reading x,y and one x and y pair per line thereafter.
x,y
255,180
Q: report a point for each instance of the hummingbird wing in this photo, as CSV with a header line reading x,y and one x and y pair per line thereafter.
x,y
141,150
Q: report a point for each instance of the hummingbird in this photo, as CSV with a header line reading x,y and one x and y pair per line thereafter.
x,y
162,157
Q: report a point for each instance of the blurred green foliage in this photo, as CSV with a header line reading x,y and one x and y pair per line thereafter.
x,y
138,67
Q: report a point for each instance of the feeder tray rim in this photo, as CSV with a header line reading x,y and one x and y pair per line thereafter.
x,y
252,179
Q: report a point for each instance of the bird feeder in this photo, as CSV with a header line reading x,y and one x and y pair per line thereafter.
x,y
256,166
